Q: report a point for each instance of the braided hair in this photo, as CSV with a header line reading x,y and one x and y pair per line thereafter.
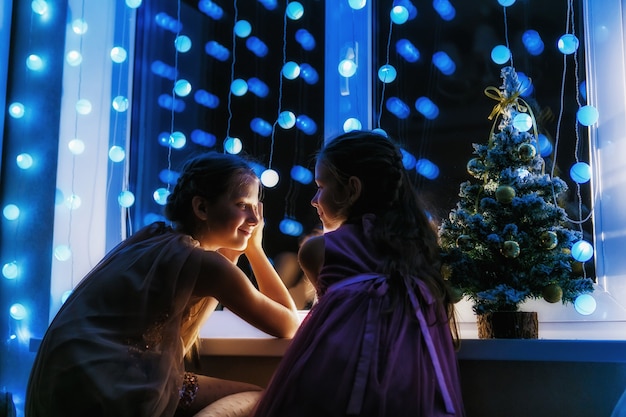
x,y
402,232
209,175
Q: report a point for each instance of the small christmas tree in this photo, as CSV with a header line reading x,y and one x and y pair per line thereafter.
x,y
507,240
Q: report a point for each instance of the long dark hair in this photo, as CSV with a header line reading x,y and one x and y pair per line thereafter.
x,y
402,232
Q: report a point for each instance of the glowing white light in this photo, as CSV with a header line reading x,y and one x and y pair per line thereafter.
x,y
286,119
39,6
506,3
118,54
522,122
351,124
295,10
399,15
76,146
120,104
585,304
117,153
73,202
24,161
182,88
182,43
83,106
34,62
269,178
387,73
568,44
347,68
73,58
18,311
357,4
10,270
79,26
16,110
126,199
582,251
133,4
62,253
233,145
239,87
177,140
160,196
11,212
291,70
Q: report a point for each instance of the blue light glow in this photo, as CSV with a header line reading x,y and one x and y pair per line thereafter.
x,y
233,145
117,153
532,42
306,124
568,44
580,172
545,146
168,176
120,104
522,122
160,196
62,253
211,9
11,212
445,9
16,110
444,63
260,126
10,270
258,87
161,69
398,107
295,10
166,101
290,227
133,4
126,199
257,46
118,54
407,50
291,70
24,161
73,58
500,54
217,51
427,108
206,99
526,84
585,304
582,251
408,160
352,123
18,311
203,138
167,22
182,88
347,68
301,174
305,39
387,73
357,4
182,44
308,74
587,115
34,62
399,15
239,87
177,140
243,28
427,168
286,119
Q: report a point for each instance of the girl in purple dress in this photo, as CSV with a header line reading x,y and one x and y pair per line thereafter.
x,y
379,342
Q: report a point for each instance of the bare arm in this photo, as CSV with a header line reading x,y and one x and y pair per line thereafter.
x,y
311,257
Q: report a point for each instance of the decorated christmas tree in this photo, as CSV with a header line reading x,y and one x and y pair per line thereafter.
x,y
508,240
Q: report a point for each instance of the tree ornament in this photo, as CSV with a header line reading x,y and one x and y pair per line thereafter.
x,y
505,194
552,293
548,240
526,152
464,242
510,249
476,167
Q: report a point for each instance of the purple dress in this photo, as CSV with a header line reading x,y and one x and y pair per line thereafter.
x,y
115,347
355,355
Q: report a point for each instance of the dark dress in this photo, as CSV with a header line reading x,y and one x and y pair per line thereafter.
x,y
115,348
354,355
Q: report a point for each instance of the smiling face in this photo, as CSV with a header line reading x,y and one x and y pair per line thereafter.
x,y
330,199
232,218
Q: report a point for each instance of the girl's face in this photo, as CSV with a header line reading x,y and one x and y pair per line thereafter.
x,y
330,198
233,217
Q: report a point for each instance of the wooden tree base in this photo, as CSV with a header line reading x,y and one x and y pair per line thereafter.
x,y
508,325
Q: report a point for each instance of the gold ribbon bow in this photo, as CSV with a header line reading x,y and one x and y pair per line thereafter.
x,y
504,102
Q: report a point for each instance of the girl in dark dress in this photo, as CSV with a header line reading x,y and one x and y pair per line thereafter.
x,y
379,342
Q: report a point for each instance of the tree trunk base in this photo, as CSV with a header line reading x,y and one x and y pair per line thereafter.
x,y
508,325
